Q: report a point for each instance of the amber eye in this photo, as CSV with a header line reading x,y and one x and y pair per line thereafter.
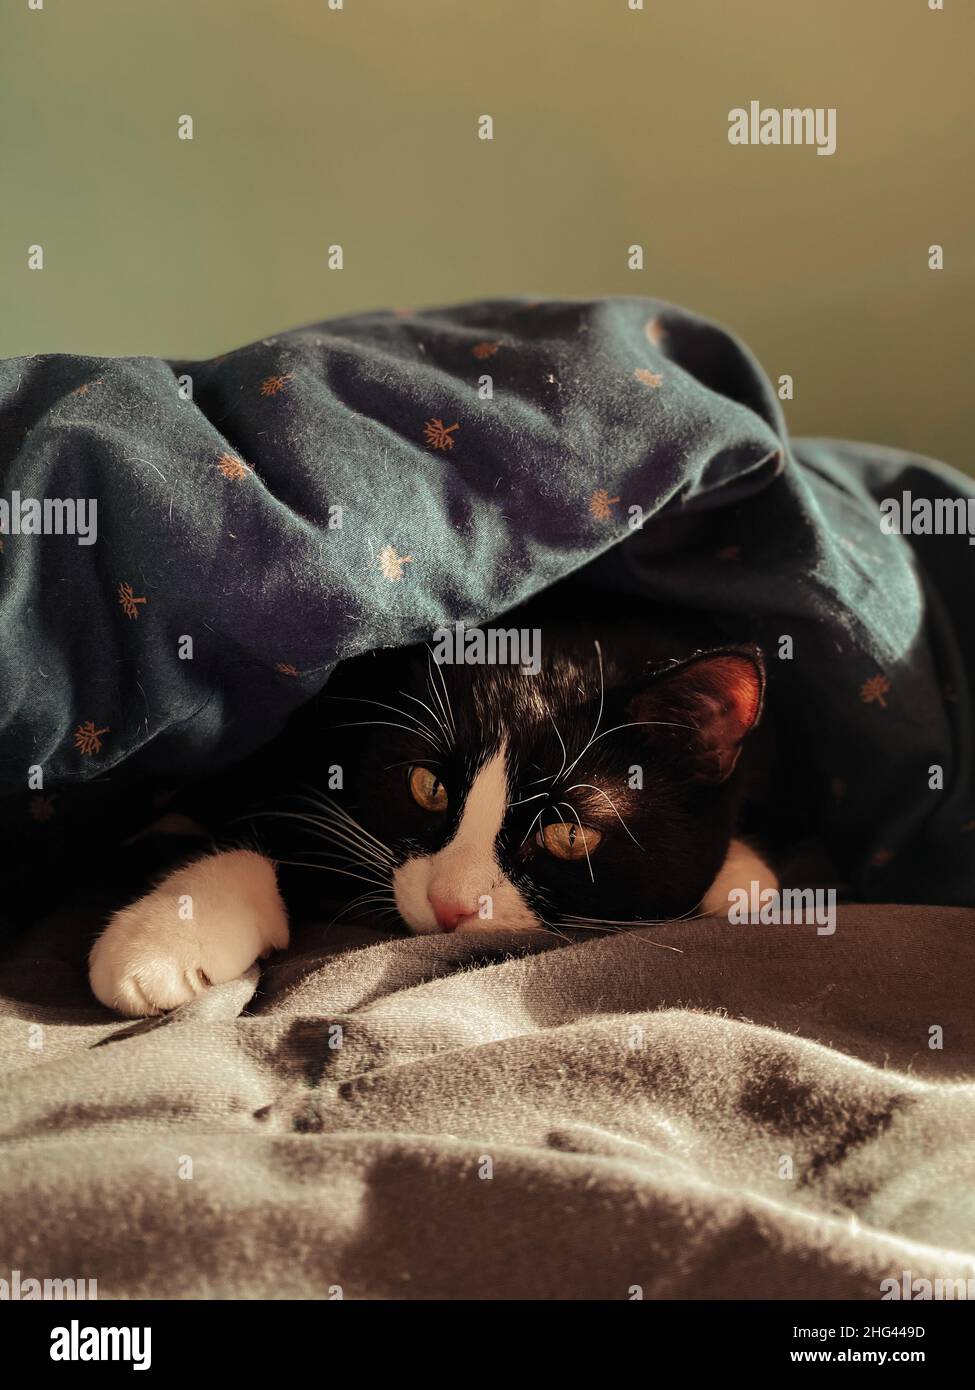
x,y
567,841
427,789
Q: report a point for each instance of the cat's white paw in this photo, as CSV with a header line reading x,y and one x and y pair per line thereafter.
x,y
204,924
741,868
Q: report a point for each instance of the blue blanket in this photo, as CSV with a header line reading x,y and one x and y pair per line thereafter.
x,y
190,547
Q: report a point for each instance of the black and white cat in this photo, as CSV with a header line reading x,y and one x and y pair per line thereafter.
x,y
602,792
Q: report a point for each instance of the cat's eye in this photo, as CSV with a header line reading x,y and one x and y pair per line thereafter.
x,y
427,789
567,841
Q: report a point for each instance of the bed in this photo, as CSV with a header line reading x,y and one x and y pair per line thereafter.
x,y
697,1112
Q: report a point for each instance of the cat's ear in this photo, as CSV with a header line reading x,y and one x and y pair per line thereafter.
x,y
706,705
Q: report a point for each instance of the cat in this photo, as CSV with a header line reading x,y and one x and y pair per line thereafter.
x,y
601,793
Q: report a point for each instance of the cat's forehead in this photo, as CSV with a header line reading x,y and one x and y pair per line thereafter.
x,y
509,694
526,701
545,722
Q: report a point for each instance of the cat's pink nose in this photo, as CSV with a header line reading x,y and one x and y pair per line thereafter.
x,y
448,911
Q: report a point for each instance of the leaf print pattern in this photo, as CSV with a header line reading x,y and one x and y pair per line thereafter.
x,y
484,350
272,385
392,564
87,739
647,377
232,467
654,330
285,668
874,690
601,505
41,808
128,600
438,435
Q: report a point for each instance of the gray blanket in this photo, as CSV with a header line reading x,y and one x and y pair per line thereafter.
x,y
761,1112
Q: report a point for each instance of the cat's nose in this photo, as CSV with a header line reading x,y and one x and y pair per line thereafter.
x,y
449,912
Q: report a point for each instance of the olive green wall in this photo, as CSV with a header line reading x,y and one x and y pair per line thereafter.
x,y
314,126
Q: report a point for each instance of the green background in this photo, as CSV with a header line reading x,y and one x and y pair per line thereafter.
x,y
358,126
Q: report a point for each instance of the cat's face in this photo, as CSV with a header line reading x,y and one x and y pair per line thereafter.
x,y
584,796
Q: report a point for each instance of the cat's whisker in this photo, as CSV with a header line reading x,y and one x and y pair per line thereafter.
x,y
388,724
690,916
381,704
448,712
446,695
335,835
552,776
550,926
372,896
318,821
623,921
600,791
367,854
364,902
349,821
599,716
248,841
363,911
533,824
623,931
328,869
525,799
565,755
380,857
432,713
330,813
351,861
644,723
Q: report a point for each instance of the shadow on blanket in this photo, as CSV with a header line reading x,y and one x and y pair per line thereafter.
x,y
761,1113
